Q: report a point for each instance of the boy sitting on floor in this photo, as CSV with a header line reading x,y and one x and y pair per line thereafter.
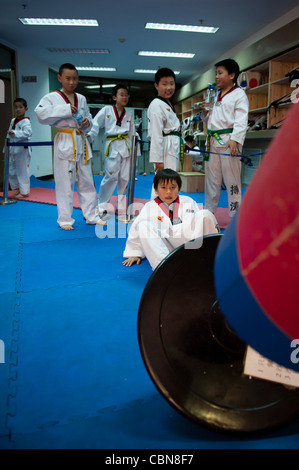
x,y
166,222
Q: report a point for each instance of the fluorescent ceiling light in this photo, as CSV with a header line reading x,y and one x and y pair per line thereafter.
x,y
109,85
102,69
151,71
80,51
58,22
182,27
181,55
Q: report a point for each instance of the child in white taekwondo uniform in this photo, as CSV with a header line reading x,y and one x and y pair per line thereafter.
x,y
19,157
166,222
119,129
72,152
227,126
166,143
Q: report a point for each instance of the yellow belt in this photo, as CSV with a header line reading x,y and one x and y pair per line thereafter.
x,y
78,132
111,138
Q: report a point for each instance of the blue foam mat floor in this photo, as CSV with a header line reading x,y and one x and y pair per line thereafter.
x,y
73,376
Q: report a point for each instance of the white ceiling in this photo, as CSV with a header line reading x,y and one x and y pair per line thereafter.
x,y
122,31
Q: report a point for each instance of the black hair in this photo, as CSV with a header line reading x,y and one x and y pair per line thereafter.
x,y
66,66
189,138
163,72
231,66
118,87
21,100
167,175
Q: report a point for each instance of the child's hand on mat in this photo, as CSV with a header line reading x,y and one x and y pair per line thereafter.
x,y
132,260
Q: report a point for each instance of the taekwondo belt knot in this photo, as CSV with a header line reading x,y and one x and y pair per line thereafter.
x,y
78,132
215,134
111,138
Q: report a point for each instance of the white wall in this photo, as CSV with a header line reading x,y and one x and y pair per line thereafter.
x,y
41,161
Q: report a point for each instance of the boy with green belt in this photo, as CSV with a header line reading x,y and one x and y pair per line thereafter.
x,y
119,128
227,125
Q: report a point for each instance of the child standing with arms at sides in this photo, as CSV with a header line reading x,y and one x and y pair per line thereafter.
x,y
72,152
19,157
119,129
166,143
166,222
227,124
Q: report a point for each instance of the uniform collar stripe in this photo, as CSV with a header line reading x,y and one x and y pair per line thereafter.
x,y
66,98
229,91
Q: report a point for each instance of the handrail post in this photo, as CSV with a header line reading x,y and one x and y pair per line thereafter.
x,y
5,199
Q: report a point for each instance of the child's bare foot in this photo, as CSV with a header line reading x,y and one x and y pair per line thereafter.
x,y
101,222
67,227
22,195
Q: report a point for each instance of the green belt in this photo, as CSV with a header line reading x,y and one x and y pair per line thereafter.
x,y
116,137
182,144
215,134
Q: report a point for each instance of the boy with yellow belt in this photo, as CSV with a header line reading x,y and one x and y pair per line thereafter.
x,y
72,152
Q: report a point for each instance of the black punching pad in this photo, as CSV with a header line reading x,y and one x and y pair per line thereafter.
x,y
192,355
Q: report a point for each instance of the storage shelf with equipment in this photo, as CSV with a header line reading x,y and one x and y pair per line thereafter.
x,y
271,98
269,90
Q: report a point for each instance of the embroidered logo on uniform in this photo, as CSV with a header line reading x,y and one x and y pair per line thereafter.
x,y
168,109
108,116
190,210
160,217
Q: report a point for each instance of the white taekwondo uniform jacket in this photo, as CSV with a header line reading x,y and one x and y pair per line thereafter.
x,y
19,156
162,119
72,155
156,232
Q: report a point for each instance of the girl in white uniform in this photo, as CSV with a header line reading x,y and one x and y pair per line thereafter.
x,y
166,143
19,157
166,222
119,129
227,126
72,152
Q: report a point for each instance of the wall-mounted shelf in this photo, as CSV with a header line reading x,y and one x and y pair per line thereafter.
x,y
274,86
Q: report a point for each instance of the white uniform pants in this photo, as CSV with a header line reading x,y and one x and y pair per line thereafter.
x,y
117,170
222,167
65,172
19,171
157,244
